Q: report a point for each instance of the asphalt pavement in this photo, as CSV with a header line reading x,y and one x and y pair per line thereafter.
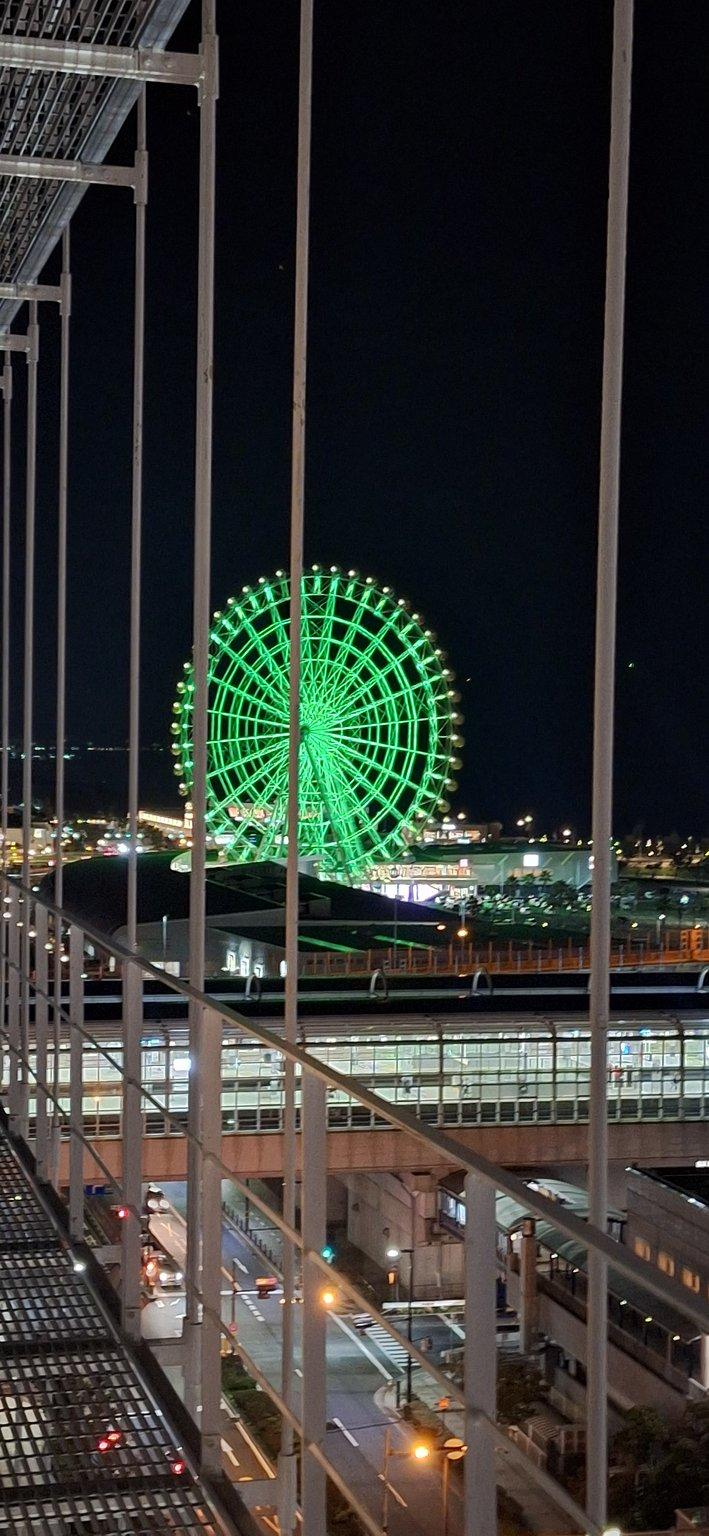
x,y
359,1371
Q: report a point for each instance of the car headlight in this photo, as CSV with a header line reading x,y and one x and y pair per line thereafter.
x,y
165,1276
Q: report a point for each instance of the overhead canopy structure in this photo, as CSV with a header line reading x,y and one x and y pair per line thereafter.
x,y
62,116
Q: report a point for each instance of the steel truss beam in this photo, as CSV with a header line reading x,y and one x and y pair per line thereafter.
x,y
147,65
37,168
23,292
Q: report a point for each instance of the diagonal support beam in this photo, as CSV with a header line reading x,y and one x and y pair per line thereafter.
x,y
143,64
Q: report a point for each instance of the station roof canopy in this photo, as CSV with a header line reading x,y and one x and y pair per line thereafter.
x,y
62,115
332,916
509,1215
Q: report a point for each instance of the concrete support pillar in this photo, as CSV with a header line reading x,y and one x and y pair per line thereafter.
x,y
132,1150
13,1005
527,1287
41,1017
210,1109
480,1503
76,1085
314,1312
704,1360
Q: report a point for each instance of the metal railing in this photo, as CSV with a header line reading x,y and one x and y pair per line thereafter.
x,y
28,971
688,946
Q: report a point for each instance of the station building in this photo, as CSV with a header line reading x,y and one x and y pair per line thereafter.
x,y
463,868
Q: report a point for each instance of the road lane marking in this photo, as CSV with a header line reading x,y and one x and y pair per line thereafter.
x,y
346,1432
228,1452
356,1340
253,1447
393,1491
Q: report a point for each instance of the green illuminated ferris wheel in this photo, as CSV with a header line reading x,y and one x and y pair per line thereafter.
x,y
379,727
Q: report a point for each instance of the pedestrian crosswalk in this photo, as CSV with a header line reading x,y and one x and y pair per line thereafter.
x,y
383,1340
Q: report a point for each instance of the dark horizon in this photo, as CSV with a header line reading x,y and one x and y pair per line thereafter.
x,y
458,246
103,791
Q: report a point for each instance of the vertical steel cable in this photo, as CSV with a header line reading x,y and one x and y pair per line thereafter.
x,y
5,668
132,979
136,518
296,573
28,693
62,517
201,620
604,699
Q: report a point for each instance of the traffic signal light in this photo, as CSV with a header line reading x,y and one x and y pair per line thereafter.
x,y
392,1276
328,1253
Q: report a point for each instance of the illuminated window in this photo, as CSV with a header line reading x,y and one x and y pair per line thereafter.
x,y
530,860
690,1279
642,1248
666,1263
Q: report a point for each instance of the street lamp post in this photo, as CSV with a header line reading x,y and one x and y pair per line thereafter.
x,y
454,1449
396,1253
385,1477
419,1451
234,1294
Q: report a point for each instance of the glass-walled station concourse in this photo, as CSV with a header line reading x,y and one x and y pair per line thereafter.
x,y
538,1073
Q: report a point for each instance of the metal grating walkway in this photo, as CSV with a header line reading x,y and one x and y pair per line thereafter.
x,y
63,116
84,1450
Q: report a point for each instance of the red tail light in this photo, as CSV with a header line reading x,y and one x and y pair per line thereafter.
x,y
178,1467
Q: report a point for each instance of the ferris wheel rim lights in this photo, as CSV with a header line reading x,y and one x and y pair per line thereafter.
x,y
380,730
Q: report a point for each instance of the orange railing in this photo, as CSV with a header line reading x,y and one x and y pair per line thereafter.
x,y
691,947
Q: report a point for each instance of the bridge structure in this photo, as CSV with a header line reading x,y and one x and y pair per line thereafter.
x,y
70,77
494,1076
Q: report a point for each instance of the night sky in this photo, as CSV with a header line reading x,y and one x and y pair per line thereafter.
x,y
457,265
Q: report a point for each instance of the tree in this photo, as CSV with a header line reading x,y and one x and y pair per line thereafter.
x,y
520,1389
664,1466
